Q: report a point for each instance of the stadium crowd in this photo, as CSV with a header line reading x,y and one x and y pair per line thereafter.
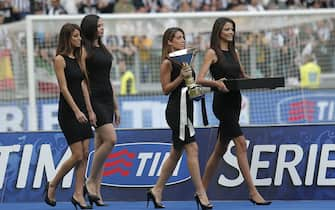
x,y
13,10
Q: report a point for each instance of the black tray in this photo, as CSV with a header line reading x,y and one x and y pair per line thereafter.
x,y
254,83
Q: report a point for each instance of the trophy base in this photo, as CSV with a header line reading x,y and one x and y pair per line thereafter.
x,y
195,93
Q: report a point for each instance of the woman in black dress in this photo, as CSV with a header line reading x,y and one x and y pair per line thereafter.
x,y
72,113
179,116
97,62
223,62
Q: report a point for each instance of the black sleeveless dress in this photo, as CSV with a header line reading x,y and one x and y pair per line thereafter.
x,y
72,129
227,106
98,67
173,112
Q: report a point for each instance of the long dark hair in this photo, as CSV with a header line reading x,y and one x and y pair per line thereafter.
x,y
89,26
89,29
216,38
64,46
168,36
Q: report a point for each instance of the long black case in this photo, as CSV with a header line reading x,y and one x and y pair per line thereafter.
x,y
254,83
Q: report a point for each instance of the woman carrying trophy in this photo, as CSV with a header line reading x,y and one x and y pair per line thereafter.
x,y
179,116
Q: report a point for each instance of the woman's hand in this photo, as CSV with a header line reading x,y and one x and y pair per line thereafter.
x,y
186,71
81,117
117,117
93,119
221,86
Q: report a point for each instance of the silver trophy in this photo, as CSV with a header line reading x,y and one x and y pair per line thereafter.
x,y
185,58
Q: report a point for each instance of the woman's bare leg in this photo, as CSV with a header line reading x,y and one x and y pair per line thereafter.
x,y
80,174
194,168
108,136
241,153
213,162
167,170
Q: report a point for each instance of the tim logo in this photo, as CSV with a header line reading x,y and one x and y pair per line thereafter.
x,y
308,108
139,165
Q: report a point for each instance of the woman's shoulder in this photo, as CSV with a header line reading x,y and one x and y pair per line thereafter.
x,y
59,58
166,62
211,55
211,51
59,62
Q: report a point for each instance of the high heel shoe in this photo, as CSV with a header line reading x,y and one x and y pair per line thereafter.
x,y
46,198
91,198
151,196
97,203
203,206
260,203
75,203
100,203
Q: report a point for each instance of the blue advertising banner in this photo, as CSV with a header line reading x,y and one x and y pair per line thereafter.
x,y
286,163
261,107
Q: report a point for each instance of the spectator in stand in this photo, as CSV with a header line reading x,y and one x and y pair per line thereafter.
x,y
128,82
185,6
38,8
87,7
70,6
113,43
169,5
294,4
140,7
150,6
220,5
315,4
56,8
322,50
7,12
106,6
206,5
236,5
124,6
310,73
22,7
255,5
128,51
144,46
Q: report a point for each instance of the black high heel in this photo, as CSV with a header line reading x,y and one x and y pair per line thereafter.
x,y
100,204
203,206
91,198
151,196
75,203
259,203
97,203
46,198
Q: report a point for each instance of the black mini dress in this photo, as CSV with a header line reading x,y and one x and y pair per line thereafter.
x,y
101,91
72,129
227,106
179,112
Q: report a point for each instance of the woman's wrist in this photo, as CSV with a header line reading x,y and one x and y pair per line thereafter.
x,y
217,83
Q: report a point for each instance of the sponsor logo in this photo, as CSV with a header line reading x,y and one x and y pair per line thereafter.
x,y
139,165
307,109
